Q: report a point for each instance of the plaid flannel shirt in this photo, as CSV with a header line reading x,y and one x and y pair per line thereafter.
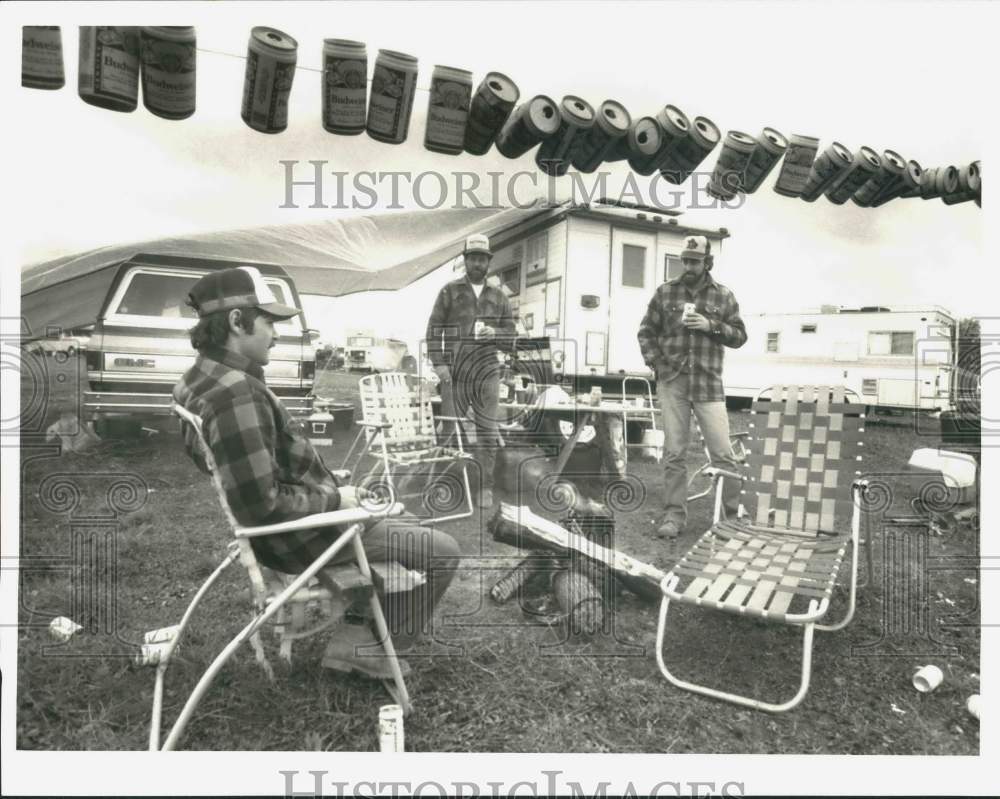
x,y
451,328
269,470
670,349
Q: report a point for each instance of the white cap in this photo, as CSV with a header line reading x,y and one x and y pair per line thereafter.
x,y
695,247
477,242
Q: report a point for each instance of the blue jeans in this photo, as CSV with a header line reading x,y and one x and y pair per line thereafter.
x,y
714,422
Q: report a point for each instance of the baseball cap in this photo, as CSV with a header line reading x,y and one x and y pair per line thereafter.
x,y
477,242
237,287
695,247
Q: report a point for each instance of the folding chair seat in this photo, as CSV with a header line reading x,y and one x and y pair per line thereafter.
x,y
398,431
296,605
782,565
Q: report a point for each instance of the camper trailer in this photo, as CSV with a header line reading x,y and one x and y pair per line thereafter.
x,y
898,358
366,352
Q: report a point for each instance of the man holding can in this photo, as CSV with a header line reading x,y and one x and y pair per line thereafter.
x,y
689,321
470,324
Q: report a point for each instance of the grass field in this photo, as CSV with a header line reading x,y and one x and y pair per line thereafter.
x,y
490,681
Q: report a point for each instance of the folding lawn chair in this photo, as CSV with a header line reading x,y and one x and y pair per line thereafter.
x,y
398,429
782,565
289,599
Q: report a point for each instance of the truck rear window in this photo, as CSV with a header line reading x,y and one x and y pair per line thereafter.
x,y
158,295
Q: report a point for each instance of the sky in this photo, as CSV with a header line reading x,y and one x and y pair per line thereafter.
x,y
858,74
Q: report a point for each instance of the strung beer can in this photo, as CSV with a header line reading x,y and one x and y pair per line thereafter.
x,y
345,86
109,67
41,57
629,144
796,165
610,126
689,151
390,729
491,106
769,147
448,111
531,123
833,162
271,58
576,119
936,182
865,164
886,179
909,181
394,82
674,127
727,177
62,628
969,185
168,70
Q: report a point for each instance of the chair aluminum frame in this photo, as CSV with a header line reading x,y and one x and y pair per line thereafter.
x,y
159,652
809,621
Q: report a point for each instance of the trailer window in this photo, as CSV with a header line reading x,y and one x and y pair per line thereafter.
x,y
536,257
869,386
772,341
808,328
889,342
633,266
511,279
672,267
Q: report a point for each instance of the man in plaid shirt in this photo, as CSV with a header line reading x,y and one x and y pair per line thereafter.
x,y
689,321
269,469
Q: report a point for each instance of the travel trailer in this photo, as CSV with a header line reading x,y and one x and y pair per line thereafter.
x,y
367,352
892,358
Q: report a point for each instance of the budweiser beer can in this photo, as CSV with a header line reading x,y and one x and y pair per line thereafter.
x,y
532,122
884,180
576,118
491,106
831,164
969,185
271,57
770,146
727,177
640,145
448,111
109,67
797,165
41,57
345,86
674,126
390,729
909,181
62,629
688,152
865,164
610,127
390,103
168,71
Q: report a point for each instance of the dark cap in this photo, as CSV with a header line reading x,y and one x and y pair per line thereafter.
x,y
240,287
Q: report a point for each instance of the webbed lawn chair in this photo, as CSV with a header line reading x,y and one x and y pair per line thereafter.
x,y
287,600
781,565
398,430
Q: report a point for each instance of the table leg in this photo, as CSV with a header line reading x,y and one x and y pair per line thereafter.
x,y
567,449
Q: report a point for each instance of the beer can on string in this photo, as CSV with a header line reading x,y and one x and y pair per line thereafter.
x,y
688,152
345,86
41,57
390,729
448,110
109,67
531,123
908,181
969,185
576,119
727,177
865,164
936,182
674,128
796,165
641,145
271,58
390,103
889,174
168,70
770,146
491,106
833,162
610,126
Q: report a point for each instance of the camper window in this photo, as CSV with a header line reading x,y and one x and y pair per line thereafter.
x,y
511,279
772,342
633,266
808,328
891,342
672,267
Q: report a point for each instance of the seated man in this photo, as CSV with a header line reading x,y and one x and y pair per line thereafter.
x,y
270,471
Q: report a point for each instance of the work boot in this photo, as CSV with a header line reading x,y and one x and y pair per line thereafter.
x,y
355,648
486,498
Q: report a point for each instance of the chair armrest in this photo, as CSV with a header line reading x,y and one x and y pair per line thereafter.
x,y
333,517
741,434
449,418
379,425
341,474
715,473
